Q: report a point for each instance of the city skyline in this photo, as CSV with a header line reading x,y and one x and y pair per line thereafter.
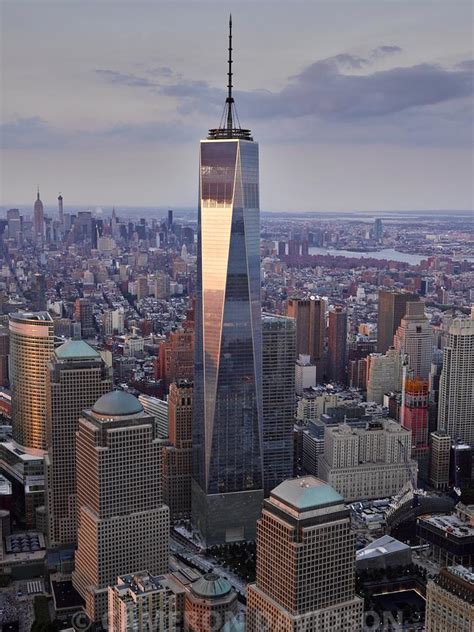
x,y
366,108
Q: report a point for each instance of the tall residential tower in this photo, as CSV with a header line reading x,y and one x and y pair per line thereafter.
x,y
227,424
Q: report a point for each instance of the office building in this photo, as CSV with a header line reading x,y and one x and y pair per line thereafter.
x,y
310,316
440,451
227,423
76,377
158,408
305,374
141,601
392,308
210,603
456,392
384,374
450,601
176,357
4,355
84,314
337,345
114,321
305,562
370,462
38,219
414,417
278,352
177,457
450,536
31,346
123,525
414,337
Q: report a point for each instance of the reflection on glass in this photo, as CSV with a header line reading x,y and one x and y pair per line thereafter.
x,y
227,404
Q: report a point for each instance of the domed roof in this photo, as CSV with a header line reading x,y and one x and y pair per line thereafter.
x,y
117,404
211,586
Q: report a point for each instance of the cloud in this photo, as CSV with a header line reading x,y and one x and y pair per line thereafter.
x,y
36,133
126,79
384,51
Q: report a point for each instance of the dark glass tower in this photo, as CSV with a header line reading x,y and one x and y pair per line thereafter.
x,y
227,418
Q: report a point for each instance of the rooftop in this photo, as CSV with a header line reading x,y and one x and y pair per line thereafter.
x,y
383,546
75,350
117,404
306,493
36,316
211,586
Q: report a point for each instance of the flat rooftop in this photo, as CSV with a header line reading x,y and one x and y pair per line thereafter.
x,y
450,524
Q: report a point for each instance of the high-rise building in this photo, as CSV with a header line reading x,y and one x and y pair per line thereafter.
x,y
310,317
337,345
14,225
38,219
278,352
305,562
305,374
123,525
4,355
76,377
378,229
456,390
84,314
114,321
384,374
227,424
176,357
177,457
450,601
371,462
392,308
31,346
414,337
414,417
61,211
440,451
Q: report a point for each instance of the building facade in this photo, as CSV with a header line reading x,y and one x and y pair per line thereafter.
x,y
456,391
414,337
392,308
310,316
227,423
31,347
278,352
366,463
305,562
384,374
450,601
177,457
76,377
337,345
123,525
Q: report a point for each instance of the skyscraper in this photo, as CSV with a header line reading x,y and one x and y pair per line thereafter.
x,y
309,314
392,308
456,390
414,336
38,219
278,344
337,345
76,378
123,525
31,346
177,457
305,562
61,211
227,427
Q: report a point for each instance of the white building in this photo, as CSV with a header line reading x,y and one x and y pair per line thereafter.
x,y
456,388
142,602
158,408
114,321
305,374
384,372
365,463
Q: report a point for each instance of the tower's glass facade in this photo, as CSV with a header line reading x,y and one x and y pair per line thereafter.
x,y
227,423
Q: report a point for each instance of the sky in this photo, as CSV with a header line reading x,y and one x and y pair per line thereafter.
x,y
356,105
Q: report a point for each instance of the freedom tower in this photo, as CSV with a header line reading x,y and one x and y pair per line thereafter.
x,y
227,416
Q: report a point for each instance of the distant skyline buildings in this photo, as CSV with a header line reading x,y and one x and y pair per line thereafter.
x,y
334,131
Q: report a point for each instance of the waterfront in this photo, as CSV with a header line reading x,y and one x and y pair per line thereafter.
x,y
386,253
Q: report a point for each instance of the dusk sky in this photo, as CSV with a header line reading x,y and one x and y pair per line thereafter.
x,y
356,105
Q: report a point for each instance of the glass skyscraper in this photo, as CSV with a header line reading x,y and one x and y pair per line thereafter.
x,y
227,418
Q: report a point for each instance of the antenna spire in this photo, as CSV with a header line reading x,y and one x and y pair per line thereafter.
x,y
229,99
